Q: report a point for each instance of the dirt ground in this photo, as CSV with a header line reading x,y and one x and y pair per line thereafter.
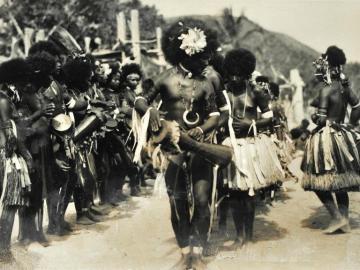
x,y
138,235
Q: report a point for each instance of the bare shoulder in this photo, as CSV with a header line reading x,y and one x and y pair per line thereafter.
x,y
211,74
164,77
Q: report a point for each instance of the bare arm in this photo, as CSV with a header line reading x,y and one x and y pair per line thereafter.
x,y
141,105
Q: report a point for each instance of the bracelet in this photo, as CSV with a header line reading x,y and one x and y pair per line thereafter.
x,y
202,132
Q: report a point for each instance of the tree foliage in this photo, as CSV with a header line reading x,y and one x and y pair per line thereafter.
x,y
80,17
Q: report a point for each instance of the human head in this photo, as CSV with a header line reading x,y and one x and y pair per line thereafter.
x,y
239,64
305,123
189,43
330,64
15,72
131,75
262,84
78,73
42,65
50,48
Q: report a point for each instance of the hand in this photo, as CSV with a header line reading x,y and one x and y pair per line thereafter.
x,y
196,133
48,110
241,125
63,165
155,122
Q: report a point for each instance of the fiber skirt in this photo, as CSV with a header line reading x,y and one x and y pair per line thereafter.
x,y
16,182
255,165
331,160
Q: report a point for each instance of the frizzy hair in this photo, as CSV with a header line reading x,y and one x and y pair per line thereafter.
x,y
171,43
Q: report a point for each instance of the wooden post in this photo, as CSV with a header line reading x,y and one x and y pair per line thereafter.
x,y
28,32
135,35
121,31
40,35
87,41
159,48
298,100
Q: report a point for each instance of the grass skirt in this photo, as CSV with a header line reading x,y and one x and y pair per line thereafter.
x,y
16,182
258,165
331,160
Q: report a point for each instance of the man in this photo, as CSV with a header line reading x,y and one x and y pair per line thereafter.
x,y
76,167
120,91
331,160
16,161
35,114
188,97
256,165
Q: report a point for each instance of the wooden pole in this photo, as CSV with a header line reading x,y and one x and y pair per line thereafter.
x,y
159,48
135,35
28,33
121,31
87,41
297,101
40,35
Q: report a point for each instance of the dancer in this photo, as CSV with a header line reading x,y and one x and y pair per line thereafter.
x,y
331,159
16,161
256,165
188,97
35,117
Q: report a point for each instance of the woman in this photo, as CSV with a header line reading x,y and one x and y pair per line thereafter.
x,y
256,165
331,160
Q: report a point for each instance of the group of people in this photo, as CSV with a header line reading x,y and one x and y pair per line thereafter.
x,y
224,101
65,134
211,124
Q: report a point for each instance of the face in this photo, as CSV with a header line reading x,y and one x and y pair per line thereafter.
x,y
133,80
196,66
262,87
115,81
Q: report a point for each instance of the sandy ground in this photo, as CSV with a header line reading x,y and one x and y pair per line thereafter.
x,y
138,235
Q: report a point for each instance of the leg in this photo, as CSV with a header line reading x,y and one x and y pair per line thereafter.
x,y
6,226
328,201
249,205
52,201
224,204
180,218
238,213
202,183
342,199
337,220
180,215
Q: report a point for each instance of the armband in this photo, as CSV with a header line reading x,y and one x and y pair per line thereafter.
x,y
214,114
267,114
71,103
224,108
322,112
200,129
139,97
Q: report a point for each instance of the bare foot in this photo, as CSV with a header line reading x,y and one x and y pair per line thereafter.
x,y
335,224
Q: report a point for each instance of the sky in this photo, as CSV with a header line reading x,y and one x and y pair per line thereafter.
x,y
317,23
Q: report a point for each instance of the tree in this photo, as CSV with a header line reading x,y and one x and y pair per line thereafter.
x,y
80,17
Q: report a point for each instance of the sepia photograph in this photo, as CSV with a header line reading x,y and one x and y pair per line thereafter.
x,y
179,134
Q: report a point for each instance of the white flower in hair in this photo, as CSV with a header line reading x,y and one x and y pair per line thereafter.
x,y
193,42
